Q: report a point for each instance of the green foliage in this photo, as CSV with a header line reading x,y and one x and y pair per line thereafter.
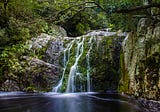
x,y
20,20
12,66
10,57
31,17
16,33
40,53
82,28
39,26
78,17
30,89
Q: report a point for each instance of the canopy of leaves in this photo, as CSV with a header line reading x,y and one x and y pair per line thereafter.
x,y
76,16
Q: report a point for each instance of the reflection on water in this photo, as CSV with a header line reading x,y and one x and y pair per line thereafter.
x,y
74,102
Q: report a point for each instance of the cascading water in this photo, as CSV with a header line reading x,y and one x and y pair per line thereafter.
x,y
90,43
74,74
73,70
65,62
83,61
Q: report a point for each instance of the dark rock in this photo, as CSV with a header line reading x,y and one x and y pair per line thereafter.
x,y
150,105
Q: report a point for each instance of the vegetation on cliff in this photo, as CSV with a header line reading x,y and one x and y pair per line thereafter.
x,y
21,21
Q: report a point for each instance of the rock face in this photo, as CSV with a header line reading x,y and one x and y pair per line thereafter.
x,y
141,61
90,62
53,51
32,71
105,64
42,74
37,75
40,41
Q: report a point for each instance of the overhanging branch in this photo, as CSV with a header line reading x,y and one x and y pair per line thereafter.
x,y
78,5
123,10
132,9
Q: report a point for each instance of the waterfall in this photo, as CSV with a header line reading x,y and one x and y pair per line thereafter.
x,y
88,64
79,61
73,70
65,62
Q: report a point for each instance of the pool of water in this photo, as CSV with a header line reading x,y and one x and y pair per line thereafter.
x,y
70,102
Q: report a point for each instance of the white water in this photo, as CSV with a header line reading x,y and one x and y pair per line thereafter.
x,y
124,42
65,62
78,81
88,64
73,70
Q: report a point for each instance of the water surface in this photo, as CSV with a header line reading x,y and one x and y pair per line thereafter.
x,y
71,102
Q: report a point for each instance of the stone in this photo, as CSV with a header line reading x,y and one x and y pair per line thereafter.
x,y
40,41
141,59
43,75
10,85
53,51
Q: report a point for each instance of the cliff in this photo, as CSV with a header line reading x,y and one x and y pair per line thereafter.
x,y
140,61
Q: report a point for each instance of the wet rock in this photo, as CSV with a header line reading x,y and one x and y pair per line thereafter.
x,y
142,60
43,75
150,105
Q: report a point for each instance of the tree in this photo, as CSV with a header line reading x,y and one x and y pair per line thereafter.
x,y
119,9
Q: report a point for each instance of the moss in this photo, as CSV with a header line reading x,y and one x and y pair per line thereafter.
x,y
71,61
104,67
125,81
40,53
105,73
30,89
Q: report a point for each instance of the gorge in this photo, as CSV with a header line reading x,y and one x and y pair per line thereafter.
x,y
94,72
101,61
79,56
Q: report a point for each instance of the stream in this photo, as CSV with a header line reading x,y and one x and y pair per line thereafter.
x,y
67,102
